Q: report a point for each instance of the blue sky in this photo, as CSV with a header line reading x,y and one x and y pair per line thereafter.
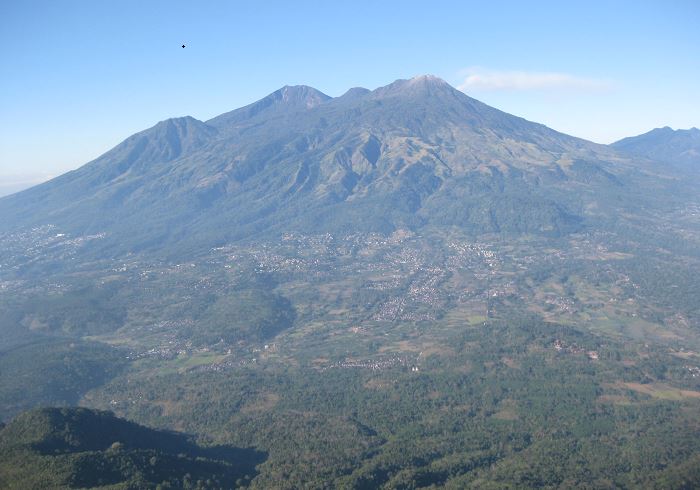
x,y
76,78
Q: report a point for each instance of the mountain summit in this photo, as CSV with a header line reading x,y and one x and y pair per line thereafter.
x,y
680,147
287,99
412,154
419,84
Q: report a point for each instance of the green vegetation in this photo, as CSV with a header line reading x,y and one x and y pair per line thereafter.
x,y
399,289
250,314
81,448
54,372
503,407
84,310
384,361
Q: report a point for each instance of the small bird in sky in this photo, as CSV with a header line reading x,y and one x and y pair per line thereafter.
x,y
183,45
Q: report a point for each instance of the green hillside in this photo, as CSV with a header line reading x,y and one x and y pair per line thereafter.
x,y
54,372
81,448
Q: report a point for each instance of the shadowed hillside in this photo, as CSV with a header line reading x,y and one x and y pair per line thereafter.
x,y
81,448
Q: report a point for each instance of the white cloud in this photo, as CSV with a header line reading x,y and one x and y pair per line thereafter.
x,y
475,79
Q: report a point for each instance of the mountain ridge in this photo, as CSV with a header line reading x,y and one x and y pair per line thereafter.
x,y
679,147
291,98
416,152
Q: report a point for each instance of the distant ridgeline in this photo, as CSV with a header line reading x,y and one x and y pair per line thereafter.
x,y
679,148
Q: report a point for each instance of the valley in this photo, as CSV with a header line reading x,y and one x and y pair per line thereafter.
x,y
386,335
352,296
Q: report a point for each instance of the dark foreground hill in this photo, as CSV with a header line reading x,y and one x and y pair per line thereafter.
x,y
82,448
412,154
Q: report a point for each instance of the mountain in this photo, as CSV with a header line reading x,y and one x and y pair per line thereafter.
x,y
412,154
394,288
680,147
286,100
83,448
